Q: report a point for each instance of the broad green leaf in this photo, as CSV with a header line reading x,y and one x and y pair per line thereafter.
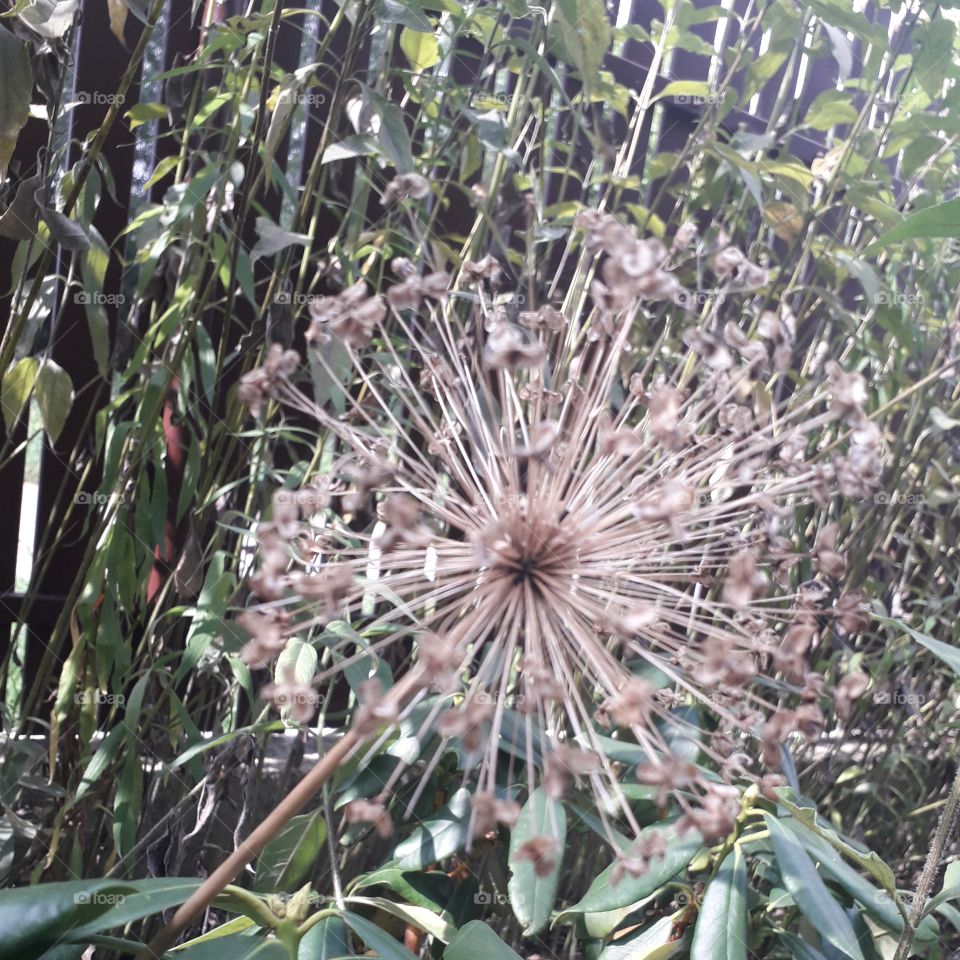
x,y
385,947
656,942
532,895
393,136
54,392
810,893
68,233
868,860
37,917
933,54
437,838
580,34
421,49
879,903
476,941
605,895
721,931
325,940
289,857
940,220
16,86
236,946
419,917
18,383
142,113
432,890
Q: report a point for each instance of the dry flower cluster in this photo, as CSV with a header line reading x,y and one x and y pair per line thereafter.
x,y
555,537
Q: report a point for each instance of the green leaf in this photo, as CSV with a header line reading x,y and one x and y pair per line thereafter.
x,y
421,49
439,837
532,896
393,135
35,918
879,903
376,939
868,860
289,857
655,942
721,931
432,890
810,893
325,940
68,233
581,34
948,654
359,145
142,113
272,239
16,87
19,221
236,946
18,383
54,397
419,917
933,54
940,220
605,895
476,941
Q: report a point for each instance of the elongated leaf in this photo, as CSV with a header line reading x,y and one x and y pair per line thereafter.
x,y
938,221
236,946
382,943
421,49
656,942
18,383
476,941
605,895
289,857
948,654
419,917
54,391
393,135
325,940
533,887
810,893
721,931
878,903
439,837
16,85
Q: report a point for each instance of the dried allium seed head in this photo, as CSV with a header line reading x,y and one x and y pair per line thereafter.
x,y
531,513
